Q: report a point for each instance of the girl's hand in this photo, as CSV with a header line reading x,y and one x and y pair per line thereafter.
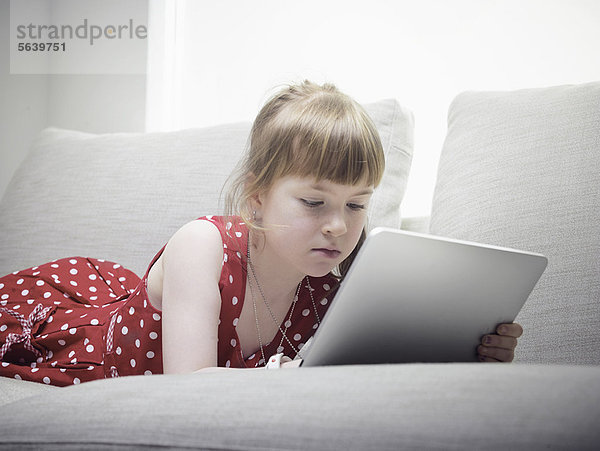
x,y
287,362
500,347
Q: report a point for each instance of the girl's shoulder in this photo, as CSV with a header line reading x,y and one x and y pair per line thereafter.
x,y
206,245
195,248
196,232
234,233
226,224
216,234
231,230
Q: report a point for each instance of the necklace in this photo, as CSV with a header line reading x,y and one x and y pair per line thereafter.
x,y
283,331
273,317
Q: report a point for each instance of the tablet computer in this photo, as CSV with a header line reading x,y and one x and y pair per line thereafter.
x,y
411,297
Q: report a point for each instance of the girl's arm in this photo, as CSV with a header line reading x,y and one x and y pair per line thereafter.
x,y
191,301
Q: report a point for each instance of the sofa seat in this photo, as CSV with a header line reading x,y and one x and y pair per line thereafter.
x,y
401,406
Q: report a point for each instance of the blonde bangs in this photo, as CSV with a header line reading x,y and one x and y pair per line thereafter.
x,y
338,148
329,137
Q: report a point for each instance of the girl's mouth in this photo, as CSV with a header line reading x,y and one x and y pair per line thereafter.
x,y
328,253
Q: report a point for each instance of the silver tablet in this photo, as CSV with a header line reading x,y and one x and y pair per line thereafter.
x,y
410,297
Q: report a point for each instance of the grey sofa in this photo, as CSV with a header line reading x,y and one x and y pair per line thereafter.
x,y
518,169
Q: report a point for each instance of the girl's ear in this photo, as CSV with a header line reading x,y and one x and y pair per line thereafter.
x,y
255,200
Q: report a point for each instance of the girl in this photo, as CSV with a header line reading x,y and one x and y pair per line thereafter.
x,y
225,291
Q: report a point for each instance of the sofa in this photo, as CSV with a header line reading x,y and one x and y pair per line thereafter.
x,y
518,169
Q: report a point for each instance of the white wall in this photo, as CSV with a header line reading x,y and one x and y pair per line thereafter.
x,y
421,52
23,106
91,103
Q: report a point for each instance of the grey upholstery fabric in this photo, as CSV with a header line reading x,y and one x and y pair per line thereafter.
x,y
114,196
121,196
452,406
522,169
418,224
12,390
395,125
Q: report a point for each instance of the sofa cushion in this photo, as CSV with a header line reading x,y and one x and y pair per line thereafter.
x,y
522,169
420,406
12,390
121,196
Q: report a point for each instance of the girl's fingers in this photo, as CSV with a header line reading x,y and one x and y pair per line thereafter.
x,y
501,347
499,341
510,329
488,359
488,354
291,363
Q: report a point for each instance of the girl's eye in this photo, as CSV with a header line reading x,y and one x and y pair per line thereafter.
x,y
355,207
312,203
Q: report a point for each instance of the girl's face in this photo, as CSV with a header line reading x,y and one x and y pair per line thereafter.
x,y
312,226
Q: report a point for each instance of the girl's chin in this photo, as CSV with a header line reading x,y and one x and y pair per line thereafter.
x,y
321,271
319,274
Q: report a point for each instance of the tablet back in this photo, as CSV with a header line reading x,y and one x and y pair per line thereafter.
x,y
410,297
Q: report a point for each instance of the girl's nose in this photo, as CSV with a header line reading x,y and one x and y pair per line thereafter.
x,y
335,225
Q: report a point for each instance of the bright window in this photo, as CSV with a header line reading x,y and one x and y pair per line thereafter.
x,y
217,60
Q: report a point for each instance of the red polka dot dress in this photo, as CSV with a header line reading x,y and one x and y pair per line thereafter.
x,y
79,319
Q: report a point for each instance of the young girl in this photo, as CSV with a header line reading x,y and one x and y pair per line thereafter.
x,y
227,291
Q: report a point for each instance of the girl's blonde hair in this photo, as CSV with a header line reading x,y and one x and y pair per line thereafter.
x,y
306,130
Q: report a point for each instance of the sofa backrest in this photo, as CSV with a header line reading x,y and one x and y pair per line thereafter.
x,y
522,169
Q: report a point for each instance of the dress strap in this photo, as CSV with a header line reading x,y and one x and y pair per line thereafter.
x,y
156,257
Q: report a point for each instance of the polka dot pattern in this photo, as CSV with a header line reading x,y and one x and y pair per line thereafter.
x,y
70,341
101,324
